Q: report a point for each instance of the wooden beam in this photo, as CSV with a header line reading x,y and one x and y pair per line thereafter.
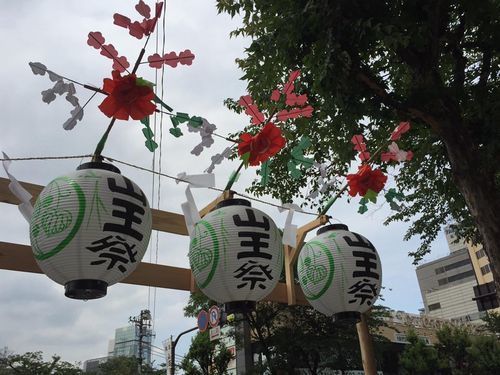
x,y
16,257
163,221
302,233
227,194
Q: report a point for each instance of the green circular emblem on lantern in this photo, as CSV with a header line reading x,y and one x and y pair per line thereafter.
x,y
204,253
53,221
316,268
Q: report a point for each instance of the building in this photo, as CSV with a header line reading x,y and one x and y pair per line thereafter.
x,y
128,343
484,292
460,285
92,365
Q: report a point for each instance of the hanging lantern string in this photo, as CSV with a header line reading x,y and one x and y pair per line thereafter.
x,y
156,173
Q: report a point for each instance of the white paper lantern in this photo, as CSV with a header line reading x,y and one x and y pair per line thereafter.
x,y
236,254
90,229
340,272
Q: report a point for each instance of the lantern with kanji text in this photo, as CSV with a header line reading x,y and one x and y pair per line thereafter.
x,y
340,272
90,229
236,255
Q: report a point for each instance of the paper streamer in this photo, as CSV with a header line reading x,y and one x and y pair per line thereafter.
x,y
290,230
17,189
189,209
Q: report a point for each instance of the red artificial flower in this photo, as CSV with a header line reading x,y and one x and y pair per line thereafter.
x,y
366,179
127,98
263,145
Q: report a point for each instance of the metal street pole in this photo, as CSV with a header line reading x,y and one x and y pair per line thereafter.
x,y
172,349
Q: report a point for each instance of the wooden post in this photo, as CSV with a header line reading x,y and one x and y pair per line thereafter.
x,y
366,345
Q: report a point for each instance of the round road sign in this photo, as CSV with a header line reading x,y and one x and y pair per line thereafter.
x,y
202,320
214,316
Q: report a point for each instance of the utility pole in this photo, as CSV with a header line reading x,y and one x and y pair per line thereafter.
x,y
143,326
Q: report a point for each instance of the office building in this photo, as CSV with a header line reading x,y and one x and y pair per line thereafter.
x,y
128,343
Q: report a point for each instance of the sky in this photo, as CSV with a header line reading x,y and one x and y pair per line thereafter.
x,y
34,313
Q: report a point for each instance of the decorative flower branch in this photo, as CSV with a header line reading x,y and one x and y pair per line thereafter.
x,y
257,149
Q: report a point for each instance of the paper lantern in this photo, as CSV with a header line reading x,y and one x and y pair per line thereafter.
x,y
340,272
90,229
236,254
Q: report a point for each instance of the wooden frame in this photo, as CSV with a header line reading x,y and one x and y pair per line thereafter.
x,y
16,257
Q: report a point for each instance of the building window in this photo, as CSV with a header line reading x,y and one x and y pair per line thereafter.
x,y
453,278
434,306
480,254
485,269
442,282
401,337
439,270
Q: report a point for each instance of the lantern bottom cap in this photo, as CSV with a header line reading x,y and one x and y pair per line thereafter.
x,y
85,289
239,306
347,317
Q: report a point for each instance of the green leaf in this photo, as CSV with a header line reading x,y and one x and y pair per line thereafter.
x,y
151,145
176,132
148,133
362,209
164,105
264,172
182,117
142,82
246,159
371,196
175,121
145,121
195,121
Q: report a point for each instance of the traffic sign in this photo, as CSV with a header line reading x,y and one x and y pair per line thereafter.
x,y
214,333
214,316
202,320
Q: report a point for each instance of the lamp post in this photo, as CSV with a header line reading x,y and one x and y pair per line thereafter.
x,y
171,349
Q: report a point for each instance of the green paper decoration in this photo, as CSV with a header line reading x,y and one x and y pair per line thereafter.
x,y
298,159
176,132
371,196
362,206
264,172
390,196
151,145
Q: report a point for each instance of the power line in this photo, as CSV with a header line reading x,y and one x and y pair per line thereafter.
x,y
177,179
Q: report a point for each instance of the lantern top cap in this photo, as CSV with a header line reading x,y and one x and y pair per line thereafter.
x,y
331,227
98,165
233,202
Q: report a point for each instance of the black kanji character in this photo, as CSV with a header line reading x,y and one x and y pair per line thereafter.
x,y
117,248
252,221
363,290
254,273
359,242
127,190
130,215
369,264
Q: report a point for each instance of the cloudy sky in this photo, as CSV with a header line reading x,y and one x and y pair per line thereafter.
x,y
34,313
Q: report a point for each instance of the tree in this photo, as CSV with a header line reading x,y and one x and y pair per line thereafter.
x,y
211,357
317,342
484,356
452,348
492,322
368,65
123,365
418,358
33,363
